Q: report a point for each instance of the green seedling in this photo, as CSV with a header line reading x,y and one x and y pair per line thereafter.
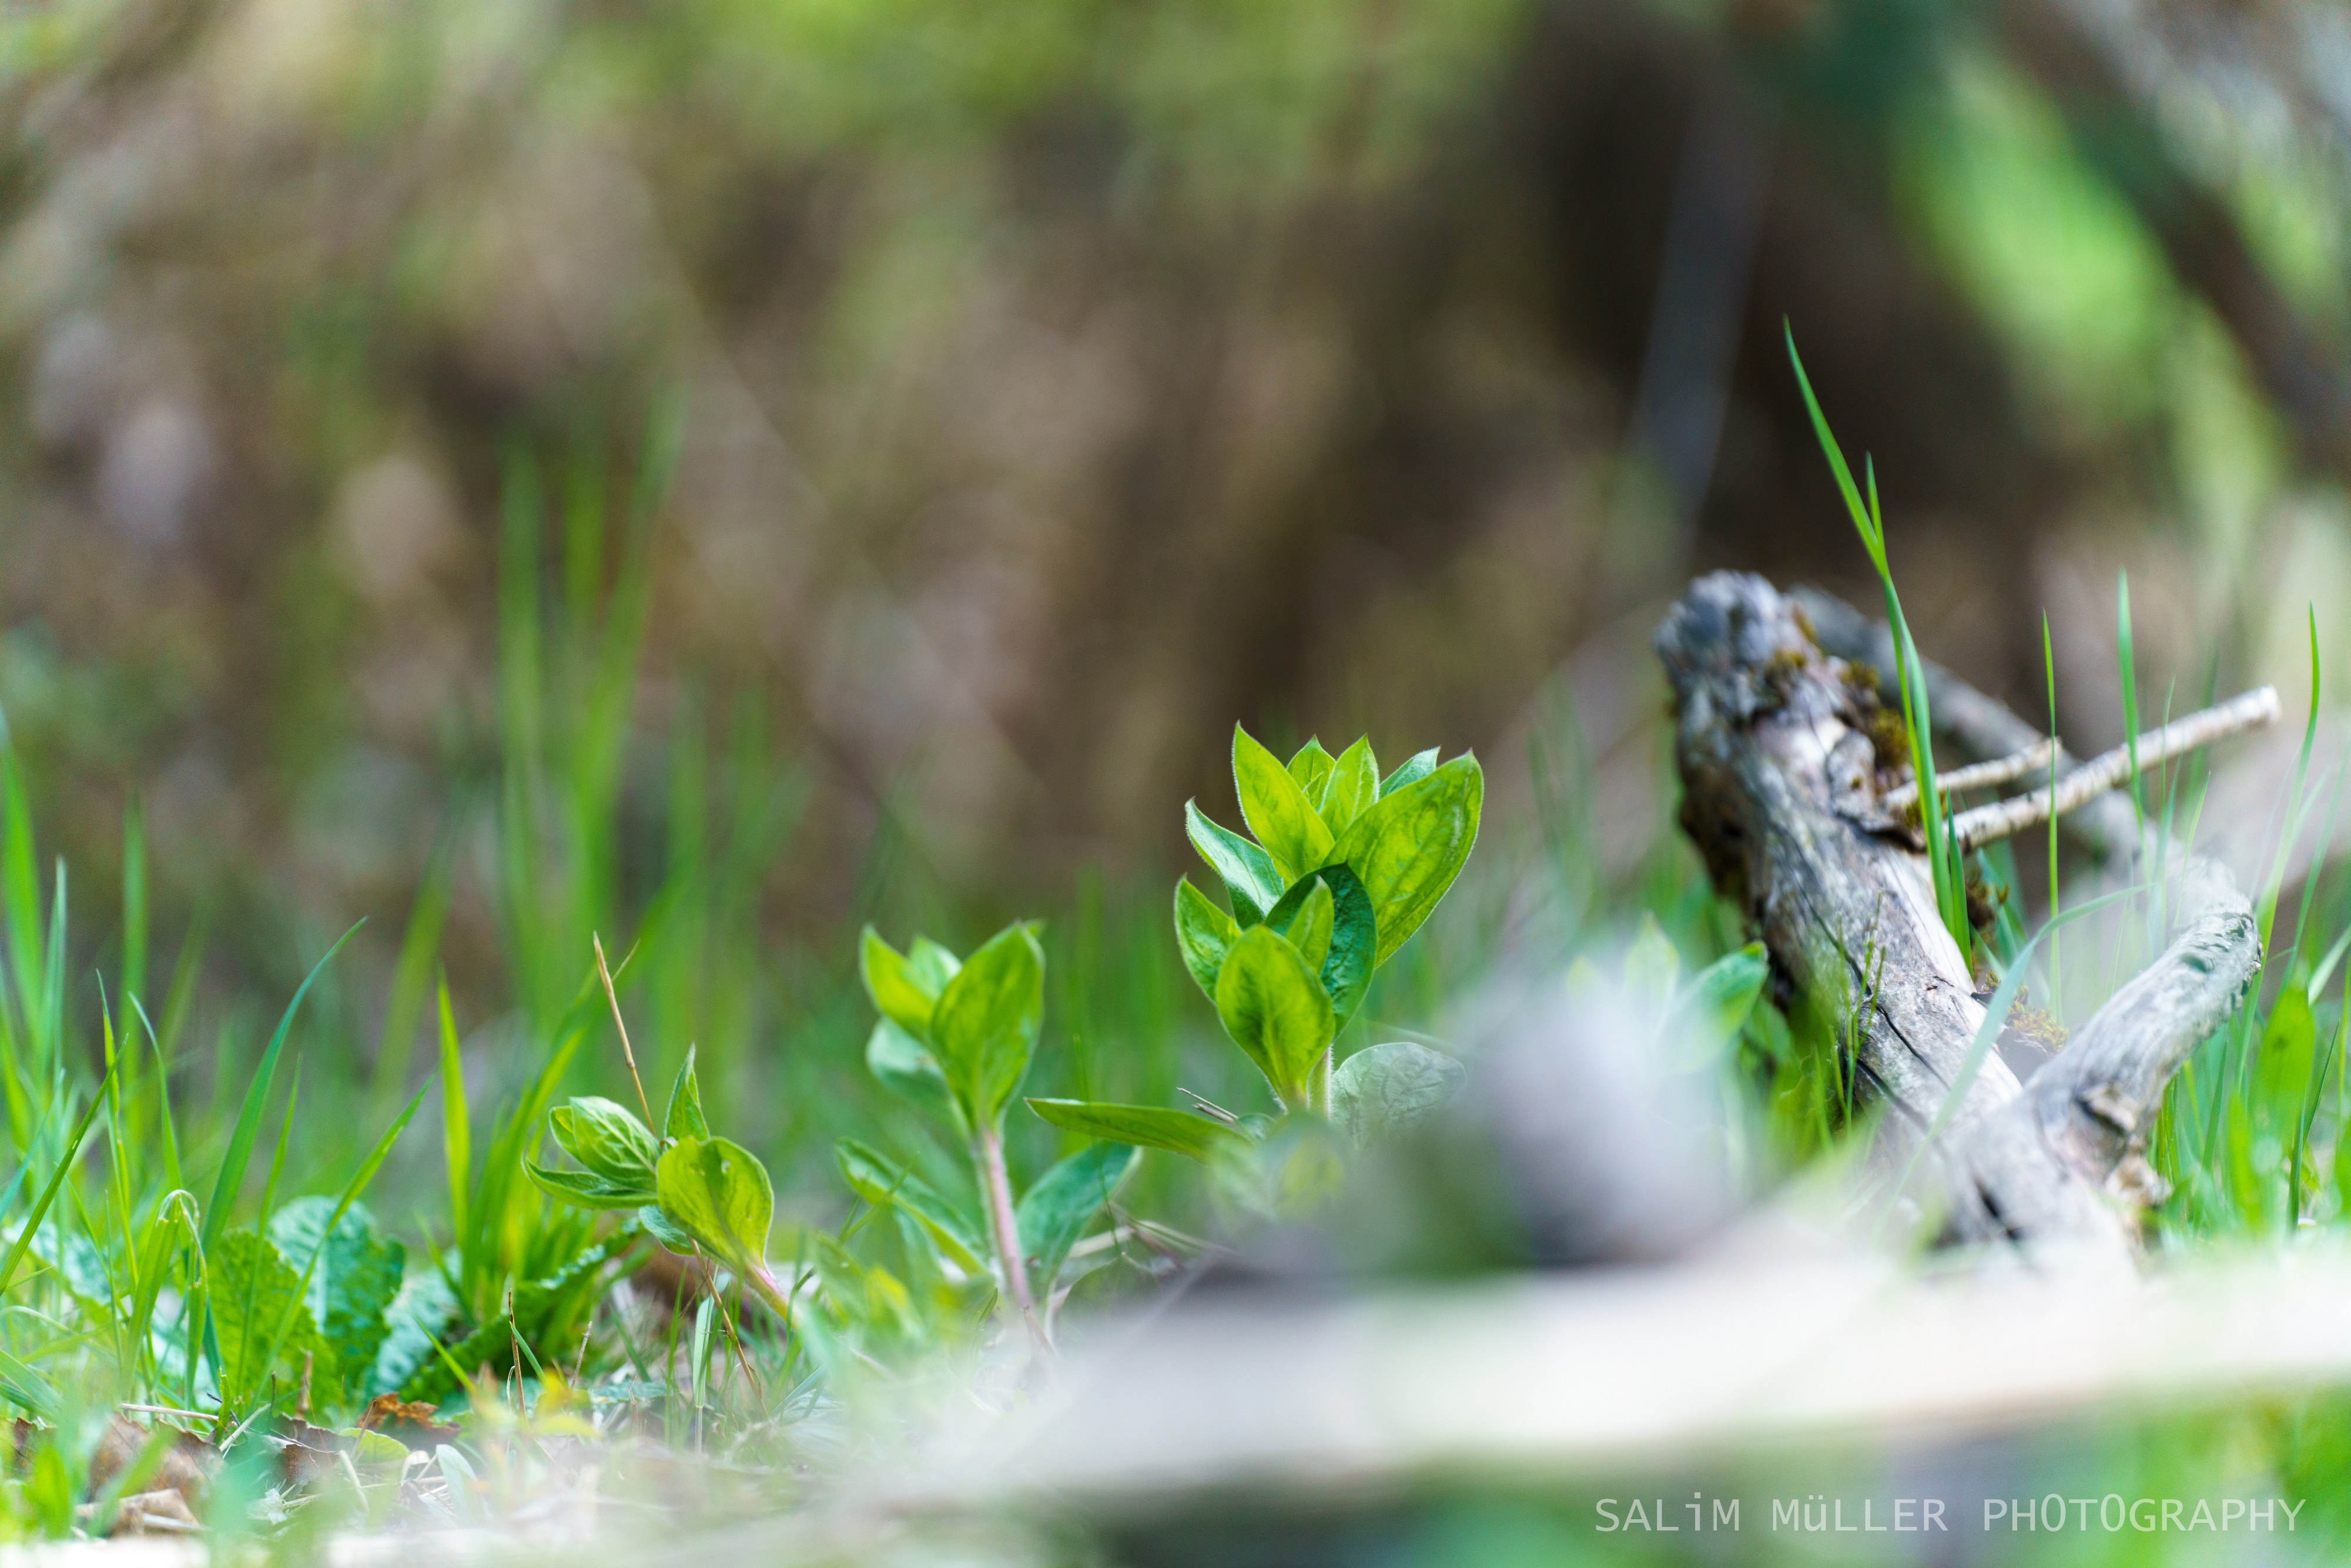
x,y
1344,867
954,1038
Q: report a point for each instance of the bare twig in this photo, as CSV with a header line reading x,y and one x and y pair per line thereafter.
x,y
1988,824
604,973
1904,797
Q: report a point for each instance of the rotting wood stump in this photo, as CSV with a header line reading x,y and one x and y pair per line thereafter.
x,y
1792,773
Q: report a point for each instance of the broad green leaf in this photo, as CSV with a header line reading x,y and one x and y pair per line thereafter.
x,y
1204,933
1409,846
1198,1137
901,1065
985,1024
717,1189
356,1275
605,1138
1411,770
931,967
667,1231
1277,809
890,982
1720,996
251,1290
884,1182
1354,785
683,1119
1312,769
1276,1010
1385,1088
1059,1206
587,1189
1344,966
1252,879
419,1315
1652,968
1304,917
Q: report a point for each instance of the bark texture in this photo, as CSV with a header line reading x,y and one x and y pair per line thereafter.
x,y
1784,751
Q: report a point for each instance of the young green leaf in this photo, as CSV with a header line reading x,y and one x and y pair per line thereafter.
x,y
1277,809
1345,965
1652,968
253,1289
1304,917
683,1119
587,1189
1196,1138
884,1184
985,1024
1056,1209
1203,933
931,966
1252,879
353,1281
1411,844
1355,784
1385,1088
897,993
1276,1010
900,1064
720,1191
606,1138
1720,996
1312,769
1411,770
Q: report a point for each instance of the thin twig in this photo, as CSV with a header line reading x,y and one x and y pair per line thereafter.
x,y
1904,798
605,974
1986,824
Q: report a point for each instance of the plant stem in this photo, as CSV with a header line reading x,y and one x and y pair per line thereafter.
x,y
1317,1084
996,1187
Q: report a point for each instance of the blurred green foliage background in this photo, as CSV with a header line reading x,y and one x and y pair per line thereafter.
x,y
745,468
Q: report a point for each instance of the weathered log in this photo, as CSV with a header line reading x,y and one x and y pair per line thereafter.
x,y
1784,752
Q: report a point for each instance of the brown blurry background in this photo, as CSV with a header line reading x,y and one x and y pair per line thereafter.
x,y
1065,380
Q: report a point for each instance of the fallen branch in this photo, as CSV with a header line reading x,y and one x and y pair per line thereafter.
x,y
1773,740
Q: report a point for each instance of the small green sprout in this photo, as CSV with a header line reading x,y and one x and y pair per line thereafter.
x,y
1345,866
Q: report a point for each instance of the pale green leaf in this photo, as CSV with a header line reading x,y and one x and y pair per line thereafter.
x,y
901,1065
1310,767
1386,1088
985,1024
884,1184
1409,846
1251,880
890,981
1059,1206
683,1119
352,1283
1277,809
252,1292
1203,933
1354,785
1411,770
718,1190
1720,996
1183,1133
1276,1010
606,1139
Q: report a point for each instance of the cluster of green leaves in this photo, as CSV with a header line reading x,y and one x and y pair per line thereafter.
x,y
1345,866
955,1038
698,1194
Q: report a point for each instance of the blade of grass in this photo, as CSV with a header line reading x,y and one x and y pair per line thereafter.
x,y
257,1097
